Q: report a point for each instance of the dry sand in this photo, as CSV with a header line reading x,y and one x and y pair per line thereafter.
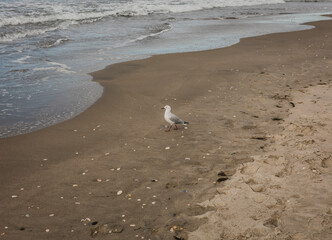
x,y
263,104
286,192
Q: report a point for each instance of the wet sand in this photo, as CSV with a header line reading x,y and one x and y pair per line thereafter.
x,y
113,173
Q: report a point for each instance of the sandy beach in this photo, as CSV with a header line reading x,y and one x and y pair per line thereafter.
x,y
254,163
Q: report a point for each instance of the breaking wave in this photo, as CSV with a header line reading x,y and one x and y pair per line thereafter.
x,y
20,19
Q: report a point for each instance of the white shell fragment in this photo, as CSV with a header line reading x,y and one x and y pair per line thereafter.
x,y
119,192
85,220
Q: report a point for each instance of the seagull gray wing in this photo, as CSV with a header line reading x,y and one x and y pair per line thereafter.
x,y
175,119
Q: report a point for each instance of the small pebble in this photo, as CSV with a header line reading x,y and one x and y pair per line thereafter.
x,y
47,230
75,185
14,196
167,148
51,215
119,192
118,169
77,203
153,203
99,180
132,225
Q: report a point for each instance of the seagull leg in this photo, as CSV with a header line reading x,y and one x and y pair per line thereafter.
x,y
169,129
176,127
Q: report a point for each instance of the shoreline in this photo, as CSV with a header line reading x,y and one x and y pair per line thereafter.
x,y
289,27
118,132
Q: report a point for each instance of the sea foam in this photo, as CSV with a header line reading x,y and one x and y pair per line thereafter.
x,y
30,18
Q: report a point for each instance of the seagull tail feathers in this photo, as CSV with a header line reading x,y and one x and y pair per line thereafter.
x,y
185,123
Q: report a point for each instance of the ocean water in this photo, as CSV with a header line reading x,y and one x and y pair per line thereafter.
x,y
47,48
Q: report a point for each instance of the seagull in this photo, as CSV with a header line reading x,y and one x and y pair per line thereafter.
x,y
172,119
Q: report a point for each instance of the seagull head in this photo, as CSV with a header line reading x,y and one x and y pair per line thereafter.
x,y
167,107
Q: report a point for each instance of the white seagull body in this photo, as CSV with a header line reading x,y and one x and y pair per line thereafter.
x,y
172,119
